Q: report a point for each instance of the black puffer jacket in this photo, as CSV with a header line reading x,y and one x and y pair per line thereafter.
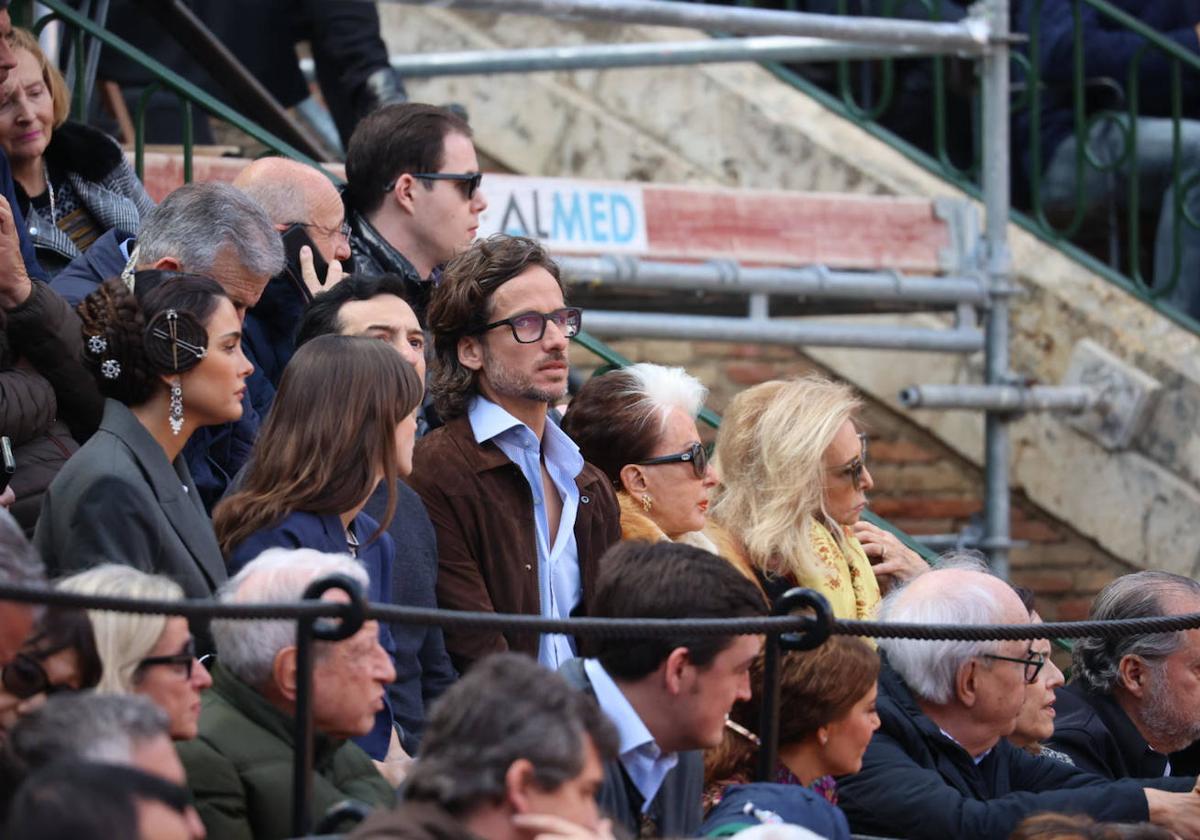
x,y
49,403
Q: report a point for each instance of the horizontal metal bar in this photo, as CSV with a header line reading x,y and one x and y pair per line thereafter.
x,y
810,281
1069,398
655,54
970,35
779,331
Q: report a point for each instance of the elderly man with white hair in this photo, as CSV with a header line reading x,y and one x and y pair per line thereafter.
x,y
939,766
240,765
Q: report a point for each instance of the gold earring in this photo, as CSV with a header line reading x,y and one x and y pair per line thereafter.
x,y
647,502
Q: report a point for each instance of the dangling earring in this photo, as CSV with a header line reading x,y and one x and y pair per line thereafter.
x,y
647,502
176,416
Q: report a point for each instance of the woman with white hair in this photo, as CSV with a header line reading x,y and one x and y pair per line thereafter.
x,y
152,655
793,484
638,426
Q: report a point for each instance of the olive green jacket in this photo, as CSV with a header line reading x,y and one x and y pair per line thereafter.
x,y
240,766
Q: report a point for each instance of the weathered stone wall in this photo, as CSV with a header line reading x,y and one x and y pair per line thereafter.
x,y
737,125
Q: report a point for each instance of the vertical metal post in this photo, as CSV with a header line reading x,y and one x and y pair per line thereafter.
x,y
768,719
303,760
997,263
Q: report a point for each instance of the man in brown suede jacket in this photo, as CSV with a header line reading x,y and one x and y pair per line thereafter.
x,y
521,520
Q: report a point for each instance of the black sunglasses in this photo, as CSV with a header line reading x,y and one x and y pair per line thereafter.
x,y
468,182
529,327
854,470
185,659
696,454
25,677
1033,663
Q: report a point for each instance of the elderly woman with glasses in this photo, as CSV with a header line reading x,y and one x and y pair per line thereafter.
x,y
60,656
638,426
153,655
793,484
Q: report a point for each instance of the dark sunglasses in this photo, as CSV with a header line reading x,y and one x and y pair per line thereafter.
x,y
468,182
529,327
25,677
1033,663
185,659
854,470
696,454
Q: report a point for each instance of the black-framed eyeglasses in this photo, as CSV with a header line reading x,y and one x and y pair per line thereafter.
x,y
529,327
342,230
185,659
1033,663
695,454
468,182
854,470
25,677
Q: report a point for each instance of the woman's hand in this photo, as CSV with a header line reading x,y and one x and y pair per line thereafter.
x,y
892,561
547,827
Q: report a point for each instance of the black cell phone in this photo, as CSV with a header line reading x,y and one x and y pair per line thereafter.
x,y
8,464
295,238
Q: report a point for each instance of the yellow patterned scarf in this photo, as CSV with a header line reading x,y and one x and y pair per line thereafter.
x,y
845,578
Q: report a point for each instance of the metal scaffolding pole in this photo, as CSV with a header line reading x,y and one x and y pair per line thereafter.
x,y
811,281
970,36
998,266
779,331
1002,398
655,54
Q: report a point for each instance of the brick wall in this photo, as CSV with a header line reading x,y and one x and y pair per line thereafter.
x,y
921,485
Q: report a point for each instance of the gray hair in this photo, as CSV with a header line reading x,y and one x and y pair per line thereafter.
x,y
198,221
506,708
84,726
19,561
929,668
663,388
1145,594
279,575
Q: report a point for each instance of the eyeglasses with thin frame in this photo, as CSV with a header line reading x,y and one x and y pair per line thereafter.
x,y
854,470
1033,663
468,182
695,454
25,677
342,230
529,327
185,659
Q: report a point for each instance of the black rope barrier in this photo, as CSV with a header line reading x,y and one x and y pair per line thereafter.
x,y
605,627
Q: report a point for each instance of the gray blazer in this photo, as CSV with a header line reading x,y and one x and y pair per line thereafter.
x,y
119,500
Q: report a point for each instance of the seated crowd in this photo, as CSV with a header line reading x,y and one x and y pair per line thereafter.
x,y
224,421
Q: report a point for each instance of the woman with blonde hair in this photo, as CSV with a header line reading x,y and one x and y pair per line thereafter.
x,y
153,655
793,479
73,182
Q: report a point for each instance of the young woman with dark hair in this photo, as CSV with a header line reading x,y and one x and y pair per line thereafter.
x,y
166,352
827,717
343,420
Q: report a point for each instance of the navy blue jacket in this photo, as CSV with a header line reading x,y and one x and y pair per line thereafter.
x,y
269,335
28,255
325,533
1109,50
423,668
917,783
106,258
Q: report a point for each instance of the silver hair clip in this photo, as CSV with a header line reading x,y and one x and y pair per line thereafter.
x,y
170,334
110,368
97,344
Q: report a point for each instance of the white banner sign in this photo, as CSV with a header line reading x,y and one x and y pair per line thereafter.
x,y
566,216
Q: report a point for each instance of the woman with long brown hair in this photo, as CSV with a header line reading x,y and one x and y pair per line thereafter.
x,y
343,419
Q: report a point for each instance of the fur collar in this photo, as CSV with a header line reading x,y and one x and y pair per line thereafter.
x,y
89,153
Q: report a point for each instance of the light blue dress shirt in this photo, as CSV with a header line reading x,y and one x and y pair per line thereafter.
x,y
639,754
559,583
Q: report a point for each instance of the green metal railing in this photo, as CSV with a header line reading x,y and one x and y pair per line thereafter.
x,y
866,91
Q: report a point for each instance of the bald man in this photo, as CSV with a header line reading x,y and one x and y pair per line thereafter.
x,y
940,765
307,210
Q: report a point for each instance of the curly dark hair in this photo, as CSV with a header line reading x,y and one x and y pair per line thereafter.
x,y
462,303
135,334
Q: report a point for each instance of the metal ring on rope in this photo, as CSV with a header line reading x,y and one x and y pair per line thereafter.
x,y
817,625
